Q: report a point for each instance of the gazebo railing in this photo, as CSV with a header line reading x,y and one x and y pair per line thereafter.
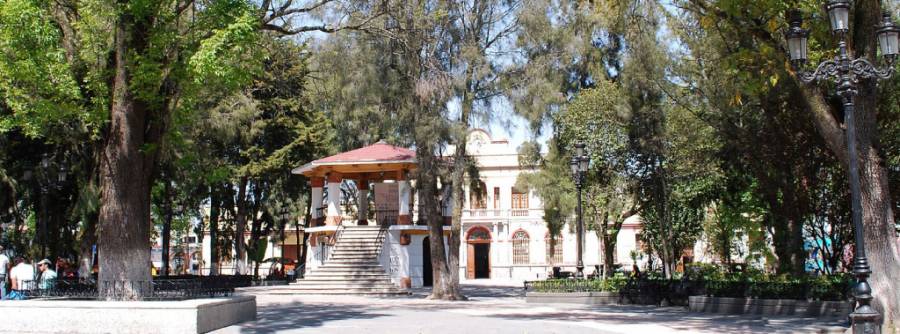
x,y
386,217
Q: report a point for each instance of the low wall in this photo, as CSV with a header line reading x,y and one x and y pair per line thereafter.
x,y
587,298
73,316
815,309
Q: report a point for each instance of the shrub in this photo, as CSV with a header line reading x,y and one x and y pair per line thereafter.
x,y
697,282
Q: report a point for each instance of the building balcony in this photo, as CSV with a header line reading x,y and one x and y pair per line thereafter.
x,y
503,213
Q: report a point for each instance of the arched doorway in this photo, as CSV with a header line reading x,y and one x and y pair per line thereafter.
x,y
478,259
427,278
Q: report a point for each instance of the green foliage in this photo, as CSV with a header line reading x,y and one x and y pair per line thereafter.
x,y
552,183
36,82
219,57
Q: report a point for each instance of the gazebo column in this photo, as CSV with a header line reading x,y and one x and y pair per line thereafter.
x,y
315,214
403,213
333,217
363,202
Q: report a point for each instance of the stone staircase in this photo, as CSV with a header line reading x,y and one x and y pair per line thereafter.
x,y
352,268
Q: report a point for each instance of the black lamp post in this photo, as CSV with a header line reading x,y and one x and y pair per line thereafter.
x,y
846,72
579,164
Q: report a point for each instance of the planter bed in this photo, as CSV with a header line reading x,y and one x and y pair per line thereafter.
x,y
91,316
588,298
789,307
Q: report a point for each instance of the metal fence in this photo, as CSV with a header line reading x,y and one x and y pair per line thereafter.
x,y
160,288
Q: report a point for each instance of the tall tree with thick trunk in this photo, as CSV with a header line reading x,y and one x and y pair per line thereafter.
x,y
126,167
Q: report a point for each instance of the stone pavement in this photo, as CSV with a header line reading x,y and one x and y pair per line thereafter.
x,y
495,307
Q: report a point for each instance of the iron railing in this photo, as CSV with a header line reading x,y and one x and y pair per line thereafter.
x,y
386,218
160,288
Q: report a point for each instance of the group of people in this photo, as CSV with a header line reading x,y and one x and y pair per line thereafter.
x,y
19,275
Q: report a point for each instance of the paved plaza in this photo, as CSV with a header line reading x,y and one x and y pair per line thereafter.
x,y
495,307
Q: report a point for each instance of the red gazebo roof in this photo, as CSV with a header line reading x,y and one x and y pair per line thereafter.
x,y
378,157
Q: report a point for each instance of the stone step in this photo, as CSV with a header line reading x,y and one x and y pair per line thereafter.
x,y
353,256
353,259
360,266
360,275
337,286
363,276
371,254
357,292
343,278
357,238
340,250
356,246
341,273
332,287
359,242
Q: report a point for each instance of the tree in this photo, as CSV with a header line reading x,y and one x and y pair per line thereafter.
x,y
481,27
761,45
133,64
551,182
598,118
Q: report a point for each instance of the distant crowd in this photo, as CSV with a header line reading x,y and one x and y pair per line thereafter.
x,y
19,275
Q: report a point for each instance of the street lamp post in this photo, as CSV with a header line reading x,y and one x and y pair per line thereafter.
x,y
579,164
846,72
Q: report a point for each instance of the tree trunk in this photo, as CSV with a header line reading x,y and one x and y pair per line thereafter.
x,y
214,204
240,228
167,229
125,176
609,248
426,182
86,246
457,181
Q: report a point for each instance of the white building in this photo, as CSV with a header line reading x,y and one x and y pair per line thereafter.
x,y
512,220
504,235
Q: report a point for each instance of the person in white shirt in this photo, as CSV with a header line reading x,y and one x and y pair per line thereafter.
x,y
4,270
21,277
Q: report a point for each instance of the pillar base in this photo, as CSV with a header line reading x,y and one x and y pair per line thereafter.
x,y
404,220
333,220
362,222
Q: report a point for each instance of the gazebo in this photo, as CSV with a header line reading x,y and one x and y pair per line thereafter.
x,y
373,164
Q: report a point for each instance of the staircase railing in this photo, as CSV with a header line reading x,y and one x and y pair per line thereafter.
x,y
337,237
379,241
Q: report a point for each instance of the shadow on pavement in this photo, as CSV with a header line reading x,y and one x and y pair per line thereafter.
x,y
282,317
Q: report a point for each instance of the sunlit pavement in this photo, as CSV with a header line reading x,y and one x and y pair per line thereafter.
x,y
495,307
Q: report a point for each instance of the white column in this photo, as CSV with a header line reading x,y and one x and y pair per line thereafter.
x,y
403,210
363,204
403,193
333,217
316,198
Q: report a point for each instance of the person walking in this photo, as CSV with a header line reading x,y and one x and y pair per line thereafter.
x,y
48,275
4,270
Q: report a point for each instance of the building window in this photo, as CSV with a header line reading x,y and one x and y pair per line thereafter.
x,y
519,202
520,247
554,255
496,197
478,197
479,234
